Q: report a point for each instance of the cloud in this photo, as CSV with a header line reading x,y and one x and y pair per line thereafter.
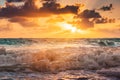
x,y
91,17
24,21
52,6
29,9
14,0
107,8
7,26
105,20
85,17
22,15
55,8
89,14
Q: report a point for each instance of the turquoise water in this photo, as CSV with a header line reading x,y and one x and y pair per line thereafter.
x,y
84,42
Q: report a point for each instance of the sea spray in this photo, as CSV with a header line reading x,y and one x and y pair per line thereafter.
x,y
64,58
59,60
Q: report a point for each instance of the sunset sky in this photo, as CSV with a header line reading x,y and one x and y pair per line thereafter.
x,y
59,19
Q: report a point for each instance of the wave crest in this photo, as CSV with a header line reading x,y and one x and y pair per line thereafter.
x,y
68,58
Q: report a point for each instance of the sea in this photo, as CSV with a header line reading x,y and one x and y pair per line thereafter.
x,y
56,58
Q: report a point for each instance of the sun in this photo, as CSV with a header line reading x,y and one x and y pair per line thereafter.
x,y
70,27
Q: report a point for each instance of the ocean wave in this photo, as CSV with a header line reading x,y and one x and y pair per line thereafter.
x,y
59,59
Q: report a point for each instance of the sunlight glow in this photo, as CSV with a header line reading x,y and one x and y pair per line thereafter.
x,y
71,28
37,4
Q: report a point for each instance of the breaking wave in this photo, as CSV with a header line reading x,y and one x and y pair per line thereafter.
x,y
59,59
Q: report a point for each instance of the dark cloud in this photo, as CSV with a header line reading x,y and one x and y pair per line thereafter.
x,y
10,11
29,9
90,17
69,9
52,6
89,14
85,17
104,20
14,0
107,8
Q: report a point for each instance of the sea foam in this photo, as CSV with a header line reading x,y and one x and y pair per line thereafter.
x,y
59,59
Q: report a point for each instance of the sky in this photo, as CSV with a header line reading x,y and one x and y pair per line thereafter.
x,y
59,19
